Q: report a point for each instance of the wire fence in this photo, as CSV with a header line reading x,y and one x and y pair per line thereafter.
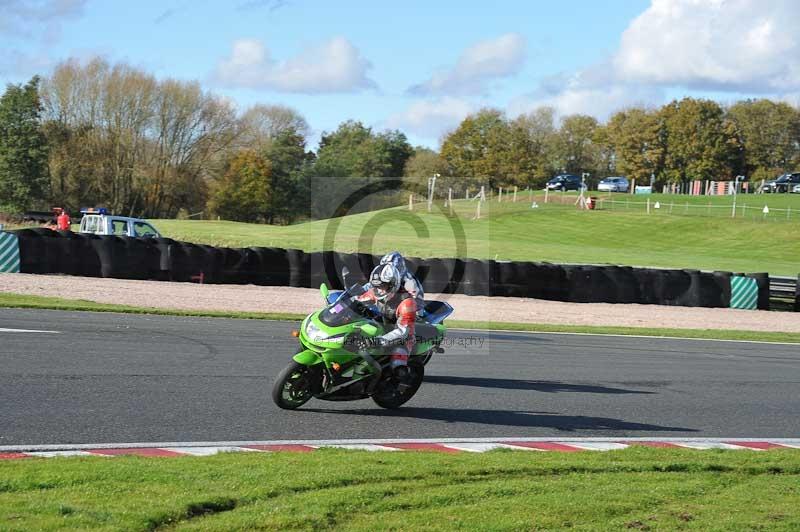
x,y
742,210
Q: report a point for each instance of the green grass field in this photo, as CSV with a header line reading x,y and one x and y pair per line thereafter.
x,y
698,236
637,488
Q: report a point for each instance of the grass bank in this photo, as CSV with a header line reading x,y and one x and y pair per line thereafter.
x,y
622,233
53,303
637,488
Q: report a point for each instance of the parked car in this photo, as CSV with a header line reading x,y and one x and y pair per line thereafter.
x,y
99,222
796,189
613,184
564,182
784,183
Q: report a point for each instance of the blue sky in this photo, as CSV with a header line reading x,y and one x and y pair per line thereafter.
x,y
422,66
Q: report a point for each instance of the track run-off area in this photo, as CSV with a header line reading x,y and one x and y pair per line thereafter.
x,y
89,378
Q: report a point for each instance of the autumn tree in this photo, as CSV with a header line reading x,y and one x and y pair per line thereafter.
x,y
637,138
770,132
121,139
535,137
477,152
701,142
261,124
575,151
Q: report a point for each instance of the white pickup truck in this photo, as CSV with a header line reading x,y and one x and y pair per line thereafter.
x,y
99,222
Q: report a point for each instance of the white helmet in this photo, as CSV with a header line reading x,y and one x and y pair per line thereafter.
x,y
396,259
385,281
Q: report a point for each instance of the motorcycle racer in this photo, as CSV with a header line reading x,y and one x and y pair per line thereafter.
x,y
397,307
408,281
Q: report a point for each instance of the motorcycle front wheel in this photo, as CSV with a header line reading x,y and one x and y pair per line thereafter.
x,y
293,386
388,395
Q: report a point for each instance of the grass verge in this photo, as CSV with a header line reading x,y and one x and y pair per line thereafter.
x,y
637,488
8,300
621,233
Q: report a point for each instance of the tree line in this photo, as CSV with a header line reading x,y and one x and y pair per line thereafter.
x,y
98,134
681,141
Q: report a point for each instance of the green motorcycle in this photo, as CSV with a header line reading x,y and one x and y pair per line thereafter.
x,y
329,364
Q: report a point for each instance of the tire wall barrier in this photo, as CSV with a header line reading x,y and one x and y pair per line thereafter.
x,y
45,251
797,295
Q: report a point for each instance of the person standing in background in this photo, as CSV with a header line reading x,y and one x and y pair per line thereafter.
x,y
63,221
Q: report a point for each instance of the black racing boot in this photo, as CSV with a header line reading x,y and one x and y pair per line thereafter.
x,y
403,377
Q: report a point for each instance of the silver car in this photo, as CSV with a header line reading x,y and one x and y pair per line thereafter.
x,y
613,184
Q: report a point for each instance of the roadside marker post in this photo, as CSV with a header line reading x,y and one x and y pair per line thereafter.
x,y
744,293
9,253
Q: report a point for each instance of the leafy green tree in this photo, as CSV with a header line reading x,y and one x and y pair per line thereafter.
x,y
289,160
394,150
23,148
353,150
244,192
770,132
701,142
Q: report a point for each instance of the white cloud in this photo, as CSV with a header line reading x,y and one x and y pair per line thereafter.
x,y
737,45
431,119
333,66
484,61
600,102
39,19
29,30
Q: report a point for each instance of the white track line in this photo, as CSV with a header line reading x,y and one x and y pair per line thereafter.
x,y
711,445
2,330
207,451
358,447
53,454
595,445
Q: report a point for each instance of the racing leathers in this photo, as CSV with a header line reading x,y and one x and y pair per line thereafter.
x,y
401,312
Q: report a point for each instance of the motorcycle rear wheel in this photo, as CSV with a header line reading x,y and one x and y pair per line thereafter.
x,y
387,395
293,386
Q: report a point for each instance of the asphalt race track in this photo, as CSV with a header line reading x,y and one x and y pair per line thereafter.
x,y
126,378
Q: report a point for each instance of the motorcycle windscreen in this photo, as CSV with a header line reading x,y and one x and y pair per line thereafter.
x,y
338,314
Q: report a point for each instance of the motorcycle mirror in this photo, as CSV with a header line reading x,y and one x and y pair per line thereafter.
x,y
323,289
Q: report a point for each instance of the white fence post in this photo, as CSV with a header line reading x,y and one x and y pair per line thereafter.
x,y
450,199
